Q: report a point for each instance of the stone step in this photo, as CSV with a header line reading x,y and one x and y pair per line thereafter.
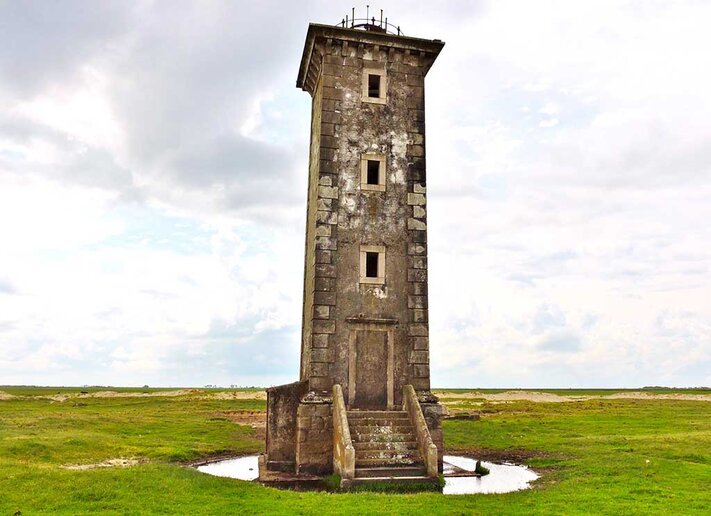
x,y
390,462
386,471
420,479
382,430
368,421
358,437
385,414
387,454
398,445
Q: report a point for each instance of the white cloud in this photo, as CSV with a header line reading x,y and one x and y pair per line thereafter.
x,y
153,180
80,111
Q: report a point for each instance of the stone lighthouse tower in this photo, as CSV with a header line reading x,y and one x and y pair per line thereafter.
x,y
365,341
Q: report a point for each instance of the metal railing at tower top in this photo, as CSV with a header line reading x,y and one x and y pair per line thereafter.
x,y
370,23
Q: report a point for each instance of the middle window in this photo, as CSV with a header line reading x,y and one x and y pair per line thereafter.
x,y
372,264
372,172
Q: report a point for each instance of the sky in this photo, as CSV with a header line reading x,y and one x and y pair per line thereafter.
x,y
153,176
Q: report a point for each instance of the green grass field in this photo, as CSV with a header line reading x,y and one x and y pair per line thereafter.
x,y
598,455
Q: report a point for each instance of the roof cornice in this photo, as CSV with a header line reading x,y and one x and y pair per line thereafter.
x,y
324,32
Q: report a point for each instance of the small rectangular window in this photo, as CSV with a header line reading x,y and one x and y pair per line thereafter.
x,y
371,265
373,172
374,86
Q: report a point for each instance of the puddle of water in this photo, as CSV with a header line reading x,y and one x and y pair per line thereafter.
x,y
503,478
242,468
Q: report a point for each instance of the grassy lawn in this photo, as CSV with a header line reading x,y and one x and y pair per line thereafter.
x,y
604,456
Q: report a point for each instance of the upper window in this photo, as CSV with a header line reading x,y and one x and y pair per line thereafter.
x,y
372,172
374,86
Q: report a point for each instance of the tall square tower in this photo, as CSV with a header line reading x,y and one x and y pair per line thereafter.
x,y
365,319
365,310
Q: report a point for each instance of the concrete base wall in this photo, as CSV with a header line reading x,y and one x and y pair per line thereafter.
x,y
300,433
314,439
282,406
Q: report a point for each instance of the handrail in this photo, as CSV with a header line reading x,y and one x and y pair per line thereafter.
x,y
428,450
343,451
370,24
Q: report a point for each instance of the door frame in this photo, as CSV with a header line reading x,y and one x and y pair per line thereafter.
x,y
387,327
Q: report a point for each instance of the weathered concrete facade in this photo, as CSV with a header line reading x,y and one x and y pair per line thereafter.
x,y
342,216
365,319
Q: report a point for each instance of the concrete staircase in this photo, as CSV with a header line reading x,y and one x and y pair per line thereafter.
x,y
385,445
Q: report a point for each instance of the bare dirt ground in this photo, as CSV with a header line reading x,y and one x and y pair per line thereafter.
x,y
239,395
652,396
197,393
255,419
115,394
110,463
546,397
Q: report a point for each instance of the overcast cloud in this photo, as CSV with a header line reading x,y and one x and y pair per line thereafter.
x,y
153,167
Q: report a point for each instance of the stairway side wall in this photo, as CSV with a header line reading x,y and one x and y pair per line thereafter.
x,y
434,414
